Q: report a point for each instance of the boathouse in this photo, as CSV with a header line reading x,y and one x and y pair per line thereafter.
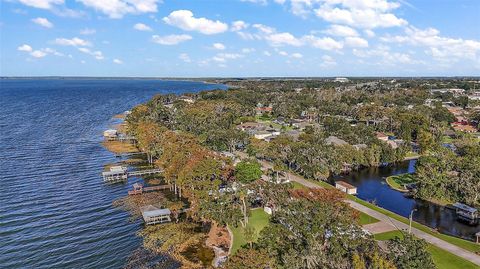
x,y
466,212
110,134
115,174
345,187
152,215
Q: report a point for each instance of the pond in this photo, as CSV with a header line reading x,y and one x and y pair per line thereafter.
x,y
371,186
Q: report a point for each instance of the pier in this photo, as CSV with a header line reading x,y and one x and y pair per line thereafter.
x,y
120,174
140,189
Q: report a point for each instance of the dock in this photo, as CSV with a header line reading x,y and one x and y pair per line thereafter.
x,y
140,189
120,173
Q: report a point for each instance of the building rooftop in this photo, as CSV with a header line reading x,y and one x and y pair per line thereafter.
x,y
152,211
465,207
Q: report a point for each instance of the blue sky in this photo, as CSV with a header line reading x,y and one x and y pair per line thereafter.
x,y
198,38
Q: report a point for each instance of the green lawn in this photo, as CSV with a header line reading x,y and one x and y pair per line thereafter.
x,y
397,182
258,219
367,219
297,186
442,259
411,154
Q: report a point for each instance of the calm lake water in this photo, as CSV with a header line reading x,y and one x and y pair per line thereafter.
x,y
55,211
372,187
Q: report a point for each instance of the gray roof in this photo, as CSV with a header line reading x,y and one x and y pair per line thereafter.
x,y
151,211
335,141
465,207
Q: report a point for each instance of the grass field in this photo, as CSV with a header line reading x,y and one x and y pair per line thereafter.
x,y
367,219
297,186
397,182
258,220
442,259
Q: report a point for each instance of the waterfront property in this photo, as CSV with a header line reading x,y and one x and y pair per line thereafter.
x,y
466,212
345,187
153,215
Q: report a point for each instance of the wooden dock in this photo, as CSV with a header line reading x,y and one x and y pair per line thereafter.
x,y
140,189
120,174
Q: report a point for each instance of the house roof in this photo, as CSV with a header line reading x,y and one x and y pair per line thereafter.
x,y
152,211
335,141
465,207
345,184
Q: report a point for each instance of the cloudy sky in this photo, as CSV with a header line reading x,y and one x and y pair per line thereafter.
x,y
195,38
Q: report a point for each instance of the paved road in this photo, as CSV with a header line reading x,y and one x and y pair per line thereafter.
x,y
429,238
387,220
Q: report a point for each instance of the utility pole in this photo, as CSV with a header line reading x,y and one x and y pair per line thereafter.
x,y
411,217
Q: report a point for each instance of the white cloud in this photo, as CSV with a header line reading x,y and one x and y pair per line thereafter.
x,y
248,50
264,29
185,20
367,14
88,31
238,26
43,4
279,39
261,2
223,57
218,46
369,33
297,55
118,8
283,53
328,61
170,39
76,42
117,61
142,27
437,45
363,18
267,53
325,43
43,22
25,47
184,57
356,42
340,30
38,54
97,54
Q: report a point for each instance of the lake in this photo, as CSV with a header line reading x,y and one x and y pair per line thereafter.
x,y
55,210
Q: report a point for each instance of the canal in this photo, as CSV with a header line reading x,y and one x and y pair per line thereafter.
x,y
371,186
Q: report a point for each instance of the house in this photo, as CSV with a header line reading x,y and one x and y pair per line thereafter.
x,y
152,215
333,140
261,109
345,187
262,135
342,80
248,126
382,136
463,128
187,99
466,212
360,146
110,134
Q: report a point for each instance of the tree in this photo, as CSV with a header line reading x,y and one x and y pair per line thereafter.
x,y
249,234
410,252
250,259
248,171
